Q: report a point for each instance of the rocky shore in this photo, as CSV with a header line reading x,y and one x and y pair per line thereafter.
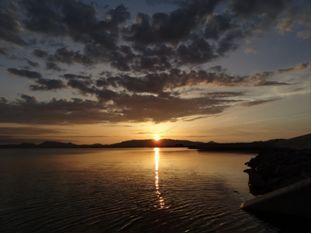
x,y
271,170
281,181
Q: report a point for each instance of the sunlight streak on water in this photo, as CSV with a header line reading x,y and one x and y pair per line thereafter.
x,y
158,193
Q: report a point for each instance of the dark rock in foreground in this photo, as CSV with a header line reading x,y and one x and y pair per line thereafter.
x,y
281,179
272,170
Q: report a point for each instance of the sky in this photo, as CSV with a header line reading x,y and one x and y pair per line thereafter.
x,y
108,71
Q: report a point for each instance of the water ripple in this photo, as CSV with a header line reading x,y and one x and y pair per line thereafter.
x,y
123,191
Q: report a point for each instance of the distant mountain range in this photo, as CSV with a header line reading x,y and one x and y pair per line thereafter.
x,y
123,144
300,142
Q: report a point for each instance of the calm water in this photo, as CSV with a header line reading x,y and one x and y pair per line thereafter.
x,y
124,190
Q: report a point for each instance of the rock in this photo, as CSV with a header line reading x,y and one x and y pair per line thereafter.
x,y
271,170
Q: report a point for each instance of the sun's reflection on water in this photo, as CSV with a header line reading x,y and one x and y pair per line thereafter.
x,y
158,193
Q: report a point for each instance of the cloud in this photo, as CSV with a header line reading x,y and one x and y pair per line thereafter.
x,y
10,27
40,53
29,110
295,17
258,102
253,8
151,61
32,63
47,84
3,51
64,55
53,66
167,108
124,107
137,101
174,35
43,17
41,83
296,68
194,32
62,18
70,76
25,73
84,86
168,81
197,51
169,85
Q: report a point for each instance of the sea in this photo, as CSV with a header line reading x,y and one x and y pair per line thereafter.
x,y
125,190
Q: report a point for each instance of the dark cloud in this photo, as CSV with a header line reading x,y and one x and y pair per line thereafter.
x,y
284,15
65,55
197,51
84,86
194,32
47,84
148,84
60,18
99,36
40,83
229,41
152,83
26,99
125,108
259,8
150,55
44,16
32,63
224,94
25,73
40,53
3,51
172,27
70,76
168,81
167,108
117,15
218,24
9,25
29,110
53,66
126,98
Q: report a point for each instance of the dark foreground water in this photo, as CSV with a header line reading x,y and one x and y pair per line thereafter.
x,y
124,190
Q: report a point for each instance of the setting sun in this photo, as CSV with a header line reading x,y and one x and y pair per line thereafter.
x,y
156,137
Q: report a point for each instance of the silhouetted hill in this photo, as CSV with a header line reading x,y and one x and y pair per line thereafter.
x,y
55,144
152,143
124,144
301,142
